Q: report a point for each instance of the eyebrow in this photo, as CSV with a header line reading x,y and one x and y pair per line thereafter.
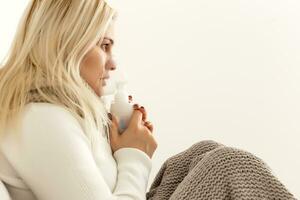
x,y
111,40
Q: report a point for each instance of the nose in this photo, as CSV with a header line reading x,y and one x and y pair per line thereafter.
x,y
111,65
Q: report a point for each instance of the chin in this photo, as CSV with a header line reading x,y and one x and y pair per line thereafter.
x,y
99,93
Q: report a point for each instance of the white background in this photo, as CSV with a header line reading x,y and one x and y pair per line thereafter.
x,y
210,69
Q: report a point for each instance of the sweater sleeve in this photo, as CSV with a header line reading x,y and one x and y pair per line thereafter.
x,y
54,159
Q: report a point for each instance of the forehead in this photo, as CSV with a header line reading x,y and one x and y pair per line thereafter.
x,y
110,32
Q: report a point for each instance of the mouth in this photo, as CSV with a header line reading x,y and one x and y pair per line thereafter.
x,y
104,80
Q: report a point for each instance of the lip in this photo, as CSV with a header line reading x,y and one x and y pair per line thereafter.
x,y
104,80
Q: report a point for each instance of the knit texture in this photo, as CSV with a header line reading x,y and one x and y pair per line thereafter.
x,y
34,96
211,171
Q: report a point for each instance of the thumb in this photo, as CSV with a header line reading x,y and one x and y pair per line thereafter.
x,y
113,128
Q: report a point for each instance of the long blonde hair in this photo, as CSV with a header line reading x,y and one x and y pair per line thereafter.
x,y
51,40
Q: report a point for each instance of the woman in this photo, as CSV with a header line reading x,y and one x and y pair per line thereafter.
x,y
54,142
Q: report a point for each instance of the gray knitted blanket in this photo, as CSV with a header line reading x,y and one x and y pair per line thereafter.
x,y
211,171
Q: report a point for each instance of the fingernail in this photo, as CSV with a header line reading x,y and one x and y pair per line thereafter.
x,y
142,107
130,99
109,116
135,106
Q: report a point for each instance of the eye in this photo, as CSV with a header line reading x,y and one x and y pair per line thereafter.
x,y
105,47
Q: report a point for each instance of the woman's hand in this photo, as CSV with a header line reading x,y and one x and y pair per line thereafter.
x,y
139,133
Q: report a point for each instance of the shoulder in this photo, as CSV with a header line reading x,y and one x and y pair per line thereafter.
x,y
45,108
49,119
47,112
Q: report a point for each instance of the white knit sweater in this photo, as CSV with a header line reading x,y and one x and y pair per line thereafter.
x,y
51,159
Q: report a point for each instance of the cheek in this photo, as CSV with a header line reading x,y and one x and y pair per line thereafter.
x,y
93,66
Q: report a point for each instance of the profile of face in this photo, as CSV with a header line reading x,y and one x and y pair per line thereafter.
x,y
98,62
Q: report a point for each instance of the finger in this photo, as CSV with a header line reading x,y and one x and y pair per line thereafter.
x,y
113,119
136,106
144,113
136,117
113,128
149,125
109,116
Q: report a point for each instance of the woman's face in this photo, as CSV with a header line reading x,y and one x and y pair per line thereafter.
x,y
97,63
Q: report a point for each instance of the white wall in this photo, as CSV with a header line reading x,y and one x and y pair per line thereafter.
x,y
211,69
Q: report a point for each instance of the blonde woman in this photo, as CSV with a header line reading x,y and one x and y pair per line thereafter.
x,y
59,143
57,140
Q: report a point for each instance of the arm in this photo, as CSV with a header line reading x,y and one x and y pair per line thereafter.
x,y
55,160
